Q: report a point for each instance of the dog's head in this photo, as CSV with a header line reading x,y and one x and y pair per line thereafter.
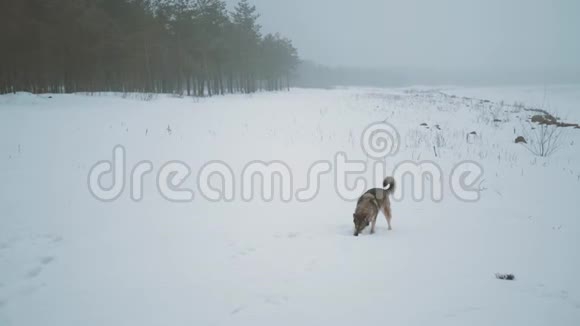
x,y
360,222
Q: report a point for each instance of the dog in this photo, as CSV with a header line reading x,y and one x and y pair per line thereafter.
x,y
369,205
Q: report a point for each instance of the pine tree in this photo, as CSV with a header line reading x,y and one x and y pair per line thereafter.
x,y
191,46
246,44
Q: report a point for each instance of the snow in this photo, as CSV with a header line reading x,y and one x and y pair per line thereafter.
x,y
67,258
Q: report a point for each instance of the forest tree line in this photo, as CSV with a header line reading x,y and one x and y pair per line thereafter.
x,y
193,47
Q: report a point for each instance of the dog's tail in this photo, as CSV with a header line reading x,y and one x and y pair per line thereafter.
x,y
389,184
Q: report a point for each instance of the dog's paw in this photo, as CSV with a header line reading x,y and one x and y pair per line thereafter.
x,y
372,231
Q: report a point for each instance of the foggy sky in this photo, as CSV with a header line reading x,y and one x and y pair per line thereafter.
x,y
434,34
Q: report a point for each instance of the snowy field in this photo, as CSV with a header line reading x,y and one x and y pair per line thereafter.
x,y
67,258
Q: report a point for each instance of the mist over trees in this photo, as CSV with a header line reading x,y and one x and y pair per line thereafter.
x,y
192,47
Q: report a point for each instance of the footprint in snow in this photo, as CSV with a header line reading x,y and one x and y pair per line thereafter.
x,y
276,299
238,309
543,292
289,235
247,251
34,272
244,252
311,265
51,238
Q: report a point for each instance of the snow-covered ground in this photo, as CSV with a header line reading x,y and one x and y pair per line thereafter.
x,y
67,258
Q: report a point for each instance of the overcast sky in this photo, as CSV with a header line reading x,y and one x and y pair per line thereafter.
x,y
438,34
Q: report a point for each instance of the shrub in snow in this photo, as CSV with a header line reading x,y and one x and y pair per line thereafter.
x,y
544,140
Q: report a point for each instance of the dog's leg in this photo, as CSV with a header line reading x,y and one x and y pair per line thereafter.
x,y
388,216
374,221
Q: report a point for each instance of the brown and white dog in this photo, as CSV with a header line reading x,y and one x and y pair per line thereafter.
x,y
369,205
